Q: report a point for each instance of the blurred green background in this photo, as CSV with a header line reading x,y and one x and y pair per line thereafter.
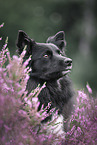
x,y
43,18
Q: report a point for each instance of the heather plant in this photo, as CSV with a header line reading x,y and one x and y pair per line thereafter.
x,y
83,122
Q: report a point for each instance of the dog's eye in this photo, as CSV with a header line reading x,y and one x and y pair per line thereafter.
x,y
45,56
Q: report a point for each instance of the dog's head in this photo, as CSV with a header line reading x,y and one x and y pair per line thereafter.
x,y
48,60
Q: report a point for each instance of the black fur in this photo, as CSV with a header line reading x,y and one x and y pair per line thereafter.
x,y
49,64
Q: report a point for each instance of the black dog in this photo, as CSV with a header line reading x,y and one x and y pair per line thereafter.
x,y
49,64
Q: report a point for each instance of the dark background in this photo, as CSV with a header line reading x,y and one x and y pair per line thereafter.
x,y
43,18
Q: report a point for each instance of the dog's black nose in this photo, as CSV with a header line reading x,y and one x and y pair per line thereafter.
x,y
68,61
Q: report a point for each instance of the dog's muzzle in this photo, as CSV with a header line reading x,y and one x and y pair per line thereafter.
x,y
68,66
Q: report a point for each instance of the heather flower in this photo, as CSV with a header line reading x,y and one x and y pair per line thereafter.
x,y
83,122
89,89
1,25
3,56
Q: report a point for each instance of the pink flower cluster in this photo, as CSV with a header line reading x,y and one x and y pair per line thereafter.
x,y
1,27
83,122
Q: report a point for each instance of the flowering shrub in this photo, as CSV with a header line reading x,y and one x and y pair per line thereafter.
x,y
83,122
20,122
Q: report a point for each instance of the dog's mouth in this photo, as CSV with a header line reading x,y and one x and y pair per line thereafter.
x,y
68,66
54,74
67,70
60,73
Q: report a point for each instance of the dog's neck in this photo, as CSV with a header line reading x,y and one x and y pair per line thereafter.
x,y
33,82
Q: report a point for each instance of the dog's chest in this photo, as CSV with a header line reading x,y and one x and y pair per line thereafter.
x,y
55,87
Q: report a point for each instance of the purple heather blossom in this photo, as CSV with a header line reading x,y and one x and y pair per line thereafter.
x,y
0,38
89,89
83,122
5,45
1,25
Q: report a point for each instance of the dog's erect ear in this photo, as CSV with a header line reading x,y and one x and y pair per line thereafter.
x,y
58,39
22,40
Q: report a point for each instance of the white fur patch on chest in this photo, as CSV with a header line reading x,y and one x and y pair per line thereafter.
x,y
58,127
